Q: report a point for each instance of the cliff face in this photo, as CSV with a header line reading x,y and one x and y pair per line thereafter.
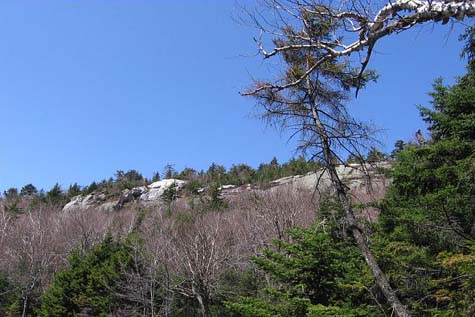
x,y
367,183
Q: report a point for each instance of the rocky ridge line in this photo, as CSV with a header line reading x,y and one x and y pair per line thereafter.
x,y
355,176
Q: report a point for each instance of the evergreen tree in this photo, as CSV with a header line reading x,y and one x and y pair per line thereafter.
x,y
240,174
28,190
398,146
170,194
169,171
11,193
187,174
375,155
91,188
127,180
316,274
216,173
87,286
74,190
9,297
427,221
55,195
155,177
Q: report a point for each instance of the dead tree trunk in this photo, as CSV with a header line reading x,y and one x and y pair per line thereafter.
x,y
355,229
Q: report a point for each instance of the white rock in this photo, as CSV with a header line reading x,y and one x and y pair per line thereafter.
x,y
225,187
73,203
84,202
156,189
167,183
108,206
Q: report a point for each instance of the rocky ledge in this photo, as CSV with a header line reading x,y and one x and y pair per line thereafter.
x,y
143,194
358,178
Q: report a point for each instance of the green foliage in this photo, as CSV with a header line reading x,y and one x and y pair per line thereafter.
x,y
155,177
276,304
28,190
332,311
468,50
240,174
55,196
129,179
91,188
355,158
193,186
426,225
299,166
169,171
216,173
12,201
437,181
244,283
13,207
87,286
374,155
11,193
316,272
268,172
215,201
455,288
74,190
170,194
188,174
398,147
9,296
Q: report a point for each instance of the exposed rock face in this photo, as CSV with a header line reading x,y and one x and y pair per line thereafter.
x,y
156,190
355,176
85,202
146,194
358,178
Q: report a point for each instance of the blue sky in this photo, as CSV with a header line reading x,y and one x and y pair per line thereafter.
x,y
91,87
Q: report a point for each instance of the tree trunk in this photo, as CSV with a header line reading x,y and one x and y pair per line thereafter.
x,y
203,301
204,305
398,308
25,305
362,244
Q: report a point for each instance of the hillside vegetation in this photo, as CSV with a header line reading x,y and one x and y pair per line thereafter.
x,y
281,252
398,241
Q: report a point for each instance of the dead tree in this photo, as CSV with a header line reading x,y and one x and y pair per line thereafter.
x,y
31,252
201,251
356,28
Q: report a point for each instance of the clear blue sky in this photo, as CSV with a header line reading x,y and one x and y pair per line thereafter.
x,y
90,87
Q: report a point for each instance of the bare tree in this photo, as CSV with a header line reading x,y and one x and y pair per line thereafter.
x,y
357,27
31,252
260,217
146,287
202,250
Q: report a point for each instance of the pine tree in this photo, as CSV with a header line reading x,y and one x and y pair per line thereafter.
x,y
428,217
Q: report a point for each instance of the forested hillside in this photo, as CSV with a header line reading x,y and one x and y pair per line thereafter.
x,y
276,253
400,243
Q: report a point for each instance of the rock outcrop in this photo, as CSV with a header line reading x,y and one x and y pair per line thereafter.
x,y
358,179
355,176
156,190
85,202
150,194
